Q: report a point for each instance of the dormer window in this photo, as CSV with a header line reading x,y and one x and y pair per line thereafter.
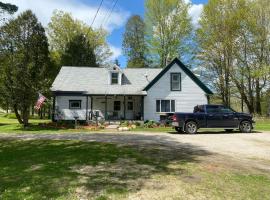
x,y
114,78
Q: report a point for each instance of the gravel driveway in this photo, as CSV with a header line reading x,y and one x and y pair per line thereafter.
x,y
254,145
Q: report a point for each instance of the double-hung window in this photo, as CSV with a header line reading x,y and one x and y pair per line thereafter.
x,y
114,78
175,81
166,106
75,104
117,106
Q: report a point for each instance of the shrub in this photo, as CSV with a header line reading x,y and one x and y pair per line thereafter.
x,y
138,124
124,124
150,124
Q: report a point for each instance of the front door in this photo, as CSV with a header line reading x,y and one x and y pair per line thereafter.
x,y
130,110
116,110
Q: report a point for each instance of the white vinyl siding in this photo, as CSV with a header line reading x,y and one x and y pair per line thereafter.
x,y
65,112
185,100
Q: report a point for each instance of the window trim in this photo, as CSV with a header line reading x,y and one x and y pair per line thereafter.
x,y
70,101
114,78
160,100
180,81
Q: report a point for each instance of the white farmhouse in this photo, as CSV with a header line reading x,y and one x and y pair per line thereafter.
x,y
126,94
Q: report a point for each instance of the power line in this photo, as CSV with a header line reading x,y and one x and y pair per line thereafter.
x,y
111,11
97,12
107,13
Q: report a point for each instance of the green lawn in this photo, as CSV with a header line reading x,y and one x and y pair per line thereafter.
x,y
262,124
10,125
42,169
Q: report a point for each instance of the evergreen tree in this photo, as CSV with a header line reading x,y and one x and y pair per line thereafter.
x,y
24,63
7,8
134,46
79,52
62,29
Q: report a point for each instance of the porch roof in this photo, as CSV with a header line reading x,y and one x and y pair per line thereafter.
x,y
94,80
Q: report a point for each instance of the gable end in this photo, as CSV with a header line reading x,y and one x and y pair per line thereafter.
x,y
186,70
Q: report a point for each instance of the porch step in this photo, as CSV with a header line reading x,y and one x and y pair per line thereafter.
x,y
112,126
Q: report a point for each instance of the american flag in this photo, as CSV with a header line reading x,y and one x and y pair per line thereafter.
x,y
40,101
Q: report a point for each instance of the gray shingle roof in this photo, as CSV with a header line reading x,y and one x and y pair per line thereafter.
x,y
94,80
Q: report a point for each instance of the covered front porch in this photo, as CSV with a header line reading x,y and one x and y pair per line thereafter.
x,y
114,107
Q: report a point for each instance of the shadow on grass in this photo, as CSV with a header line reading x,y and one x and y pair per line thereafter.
x,y
37,127
3,124
50,169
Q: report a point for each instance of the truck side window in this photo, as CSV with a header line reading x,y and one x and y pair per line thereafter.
x,y
224,109
213,109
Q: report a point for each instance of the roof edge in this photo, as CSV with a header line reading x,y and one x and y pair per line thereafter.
x,y
186,70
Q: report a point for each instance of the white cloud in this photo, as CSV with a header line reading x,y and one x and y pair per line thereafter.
x,y
195,12
116,52
43,9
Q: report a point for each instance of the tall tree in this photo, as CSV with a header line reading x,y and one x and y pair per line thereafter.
x,y
24,57
235,49
216,36
134,45
63,28
7,8
167,25
79,52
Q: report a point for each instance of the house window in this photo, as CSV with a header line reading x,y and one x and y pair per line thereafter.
x,y
114,78
167,106
75,104
175,81
130,105
117,106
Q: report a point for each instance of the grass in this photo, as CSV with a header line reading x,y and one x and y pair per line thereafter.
x,y
262,124
9,124
42,169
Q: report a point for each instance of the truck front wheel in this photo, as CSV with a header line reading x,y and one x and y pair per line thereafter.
x,y
245,127
191,127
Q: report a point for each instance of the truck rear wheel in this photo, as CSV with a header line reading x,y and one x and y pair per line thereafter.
x,y
191,127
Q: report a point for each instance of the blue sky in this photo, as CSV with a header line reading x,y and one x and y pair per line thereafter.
x,y
86,9
134,7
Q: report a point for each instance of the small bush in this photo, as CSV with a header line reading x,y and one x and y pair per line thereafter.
x,y
150,124
138,124
124,124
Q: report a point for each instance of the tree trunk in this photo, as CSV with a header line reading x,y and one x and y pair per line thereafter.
x,y
258,98
49,112
25,115
18,116
33,110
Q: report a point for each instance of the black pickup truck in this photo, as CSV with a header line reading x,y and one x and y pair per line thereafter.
x,y
212,116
